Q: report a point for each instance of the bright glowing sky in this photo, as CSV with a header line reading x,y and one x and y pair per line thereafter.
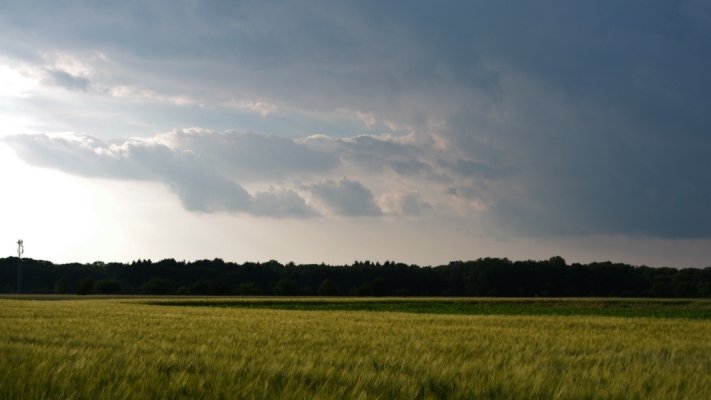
x,y
414,131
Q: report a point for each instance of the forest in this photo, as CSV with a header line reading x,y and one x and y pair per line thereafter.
x,y
493,277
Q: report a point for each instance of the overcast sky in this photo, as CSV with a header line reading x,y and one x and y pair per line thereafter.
x,y
415,131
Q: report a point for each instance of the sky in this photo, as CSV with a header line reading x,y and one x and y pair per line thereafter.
x,y
334,131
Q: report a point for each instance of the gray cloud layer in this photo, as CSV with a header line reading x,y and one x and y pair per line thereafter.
x,y
64,79
205,169
197,182
555,117
346,197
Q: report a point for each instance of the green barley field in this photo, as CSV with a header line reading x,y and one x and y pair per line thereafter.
x,y
227,348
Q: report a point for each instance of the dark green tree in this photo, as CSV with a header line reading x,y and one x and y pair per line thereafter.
x,y
61,286
248,289
158,286
108,286
328,287
286,287
86,285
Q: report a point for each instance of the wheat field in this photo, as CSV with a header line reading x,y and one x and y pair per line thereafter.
x,y
124,348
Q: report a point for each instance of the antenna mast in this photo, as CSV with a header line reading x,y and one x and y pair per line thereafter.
x,y
20,252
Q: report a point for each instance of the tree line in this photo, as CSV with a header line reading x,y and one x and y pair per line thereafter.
x,y
482,277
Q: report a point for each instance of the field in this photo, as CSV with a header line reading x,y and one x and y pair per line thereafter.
x,y
126,348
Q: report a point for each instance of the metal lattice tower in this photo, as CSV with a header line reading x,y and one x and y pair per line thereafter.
x,y
20,252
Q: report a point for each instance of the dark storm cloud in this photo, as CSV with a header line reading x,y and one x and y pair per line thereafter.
x,y
602,112
569,117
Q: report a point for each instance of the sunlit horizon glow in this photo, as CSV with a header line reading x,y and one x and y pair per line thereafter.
x,y
420,133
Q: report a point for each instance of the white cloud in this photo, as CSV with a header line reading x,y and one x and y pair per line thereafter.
x,y
368,119
72,63
261,107
142,94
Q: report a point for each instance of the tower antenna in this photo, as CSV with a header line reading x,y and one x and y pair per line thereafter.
x,y
20,252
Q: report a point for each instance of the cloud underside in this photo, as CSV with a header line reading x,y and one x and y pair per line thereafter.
x,y
206,171
346,197
323,176
200,186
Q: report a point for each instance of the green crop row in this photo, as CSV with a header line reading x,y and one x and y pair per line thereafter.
x,y
693,309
